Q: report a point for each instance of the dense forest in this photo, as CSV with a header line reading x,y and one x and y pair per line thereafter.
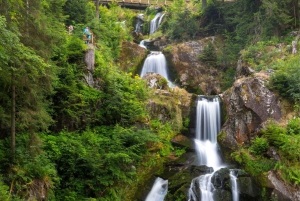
x,y
61,139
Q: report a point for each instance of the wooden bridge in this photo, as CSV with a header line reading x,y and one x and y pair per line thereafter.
x,y
137,4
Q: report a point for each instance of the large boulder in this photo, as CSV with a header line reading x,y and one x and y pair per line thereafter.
x,y
196,76
248,104
280,190
131,50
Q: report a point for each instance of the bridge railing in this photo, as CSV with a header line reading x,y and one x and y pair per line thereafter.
x,y
155,2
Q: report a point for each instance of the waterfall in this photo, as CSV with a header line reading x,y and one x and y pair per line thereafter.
x,y
208,124
155,22
155,62
158,191
161,18
142,44
234,186
139,23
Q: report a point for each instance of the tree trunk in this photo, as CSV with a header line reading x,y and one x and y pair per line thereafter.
x,y
204,4
296,12
13,113
97,9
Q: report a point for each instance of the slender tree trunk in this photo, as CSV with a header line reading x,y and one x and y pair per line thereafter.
x,y
204,4
13,113
97,9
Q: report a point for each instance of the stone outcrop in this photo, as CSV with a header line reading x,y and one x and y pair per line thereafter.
x,y
155,81
280,190
131,57
193,74
248,104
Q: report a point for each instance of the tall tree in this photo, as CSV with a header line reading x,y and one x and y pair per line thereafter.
x,y
97,9
25,83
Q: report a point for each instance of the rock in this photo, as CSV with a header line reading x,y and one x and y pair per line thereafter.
x,y
193,74
249,103
282,191
248,188
243,70
184,142
131,50
272,153
222,195
221,179
155,81
179,183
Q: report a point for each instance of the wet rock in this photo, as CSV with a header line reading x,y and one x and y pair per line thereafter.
x,y
221,179
179,183
222,195
248,188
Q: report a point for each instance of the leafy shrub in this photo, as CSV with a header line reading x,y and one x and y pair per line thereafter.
x,y
286,79
293,126
4,194
209,56
259,146
255,166
275,134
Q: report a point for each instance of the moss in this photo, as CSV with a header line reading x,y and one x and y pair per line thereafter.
x,y
221,136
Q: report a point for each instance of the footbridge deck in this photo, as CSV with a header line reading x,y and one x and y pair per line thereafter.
x,y
137,4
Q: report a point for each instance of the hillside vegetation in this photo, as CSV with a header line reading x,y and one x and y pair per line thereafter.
x,y
63,140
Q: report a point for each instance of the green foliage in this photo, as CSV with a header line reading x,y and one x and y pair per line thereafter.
x,y
285,140
286,79
228,78
94,162
4,194
181,22
255,166
113,27
32,174
293,126
209,56
33,77
259,146
162,83
77,12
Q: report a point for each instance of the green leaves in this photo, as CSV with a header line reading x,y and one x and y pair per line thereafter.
x,y
98,158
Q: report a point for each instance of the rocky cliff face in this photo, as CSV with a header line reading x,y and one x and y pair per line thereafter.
x,y
193,74
248,104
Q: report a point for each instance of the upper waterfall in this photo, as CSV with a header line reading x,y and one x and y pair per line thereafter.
x,y
155,62
155,22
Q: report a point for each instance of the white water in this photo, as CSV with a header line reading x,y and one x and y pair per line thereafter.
x,y
234,186
156,63
207,127
155,23
158,191
142,44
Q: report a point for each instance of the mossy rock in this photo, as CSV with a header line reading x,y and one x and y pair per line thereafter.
x,y
222,195
179,184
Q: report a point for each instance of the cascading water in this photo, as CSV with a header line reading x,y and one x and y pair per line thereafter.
x,y
139,23
158,191
155,62
234,185
208,124
155,22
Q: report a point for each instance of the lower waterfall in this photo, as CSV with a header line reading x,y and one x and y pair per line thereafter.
x,y
158,191
208,124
